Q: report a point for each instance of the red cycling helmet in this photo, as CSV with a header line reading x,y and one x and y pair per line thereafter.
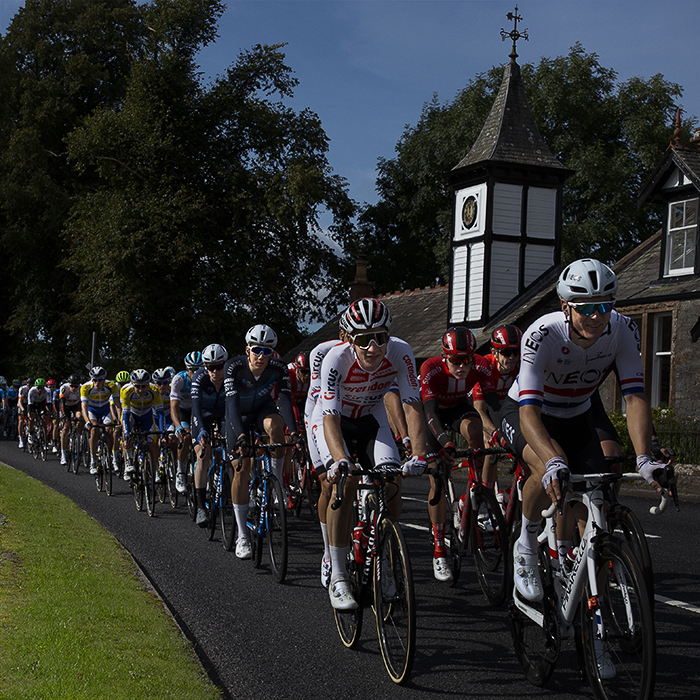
x,y
505,337
51,383
302,361
458,340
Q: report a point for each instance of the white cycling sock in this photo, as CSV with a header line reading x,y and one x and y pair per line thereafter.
x,y
527,542
326,545
339,557
241,510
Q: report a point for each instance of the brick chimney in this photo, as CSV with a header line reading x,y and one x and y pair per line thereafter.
x,y
361,286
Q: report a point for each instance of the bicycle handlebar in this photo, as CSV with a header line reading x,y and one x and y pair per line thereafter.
x,y
381,472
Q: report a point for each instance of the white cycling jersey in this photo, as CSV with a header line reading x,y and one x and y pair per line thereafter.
x,y
561,377
181,390
37,395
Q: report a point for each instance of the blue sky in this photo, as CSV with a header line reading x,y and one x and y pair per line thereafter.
x,y
367,67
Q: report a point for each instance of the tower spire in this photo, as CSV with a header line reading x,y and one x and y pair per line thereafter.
x,y
514,34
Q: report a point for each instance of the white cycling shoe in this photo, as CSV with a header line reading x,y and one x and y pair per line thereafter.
x,y
341,596
441,569
527,575
325,572
243,548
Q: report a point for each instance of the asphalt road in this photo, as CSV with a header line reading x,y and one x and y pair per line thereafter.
x,y
257,638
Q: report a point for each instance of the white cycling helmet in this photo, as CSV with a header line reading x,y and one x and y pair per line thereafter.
x,y
162,374
366,315
3,381
261,335
98,373
586,278
140,376
214,353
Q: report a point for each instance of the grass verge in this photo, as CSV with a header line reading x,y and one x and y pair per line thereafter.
x,y
76,621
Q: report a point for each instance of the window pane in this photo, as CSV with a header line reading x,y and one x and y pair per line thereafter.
x,y
689,252
664,380
665,335
677,251
677,215
691,212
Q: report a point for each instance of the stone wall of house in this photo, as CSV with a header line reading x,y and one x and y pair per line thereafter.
x,y
686,361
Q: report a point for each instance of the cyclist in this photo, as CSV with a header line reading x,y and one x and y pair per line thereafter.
x,y
22,408
354,378
208,408
11,396
161,378
547,418
446,381
142,408
69,407
181,412
120,381
52,406
38,401
252,381
96,400
3,401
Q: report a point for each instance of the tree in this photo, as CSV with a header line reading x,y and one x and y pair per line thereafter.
x,y
610,134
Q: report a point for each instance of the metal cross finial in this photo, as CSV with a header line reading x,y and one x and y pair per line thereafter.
x,y
514,34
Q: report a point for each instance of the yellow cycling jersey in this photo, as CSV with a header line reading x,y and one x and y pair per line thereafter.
x,y
140,405
96,397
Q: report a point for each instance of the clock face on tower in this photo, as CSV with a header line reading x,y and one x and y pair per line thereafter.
x,y
469,212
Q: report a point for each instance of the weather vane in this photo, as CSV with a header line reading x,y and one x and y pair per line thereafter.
x,y
514,34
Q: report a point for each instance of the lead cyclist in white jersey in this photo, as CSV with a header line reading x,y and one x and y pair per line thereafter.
x,y
354,378
547,417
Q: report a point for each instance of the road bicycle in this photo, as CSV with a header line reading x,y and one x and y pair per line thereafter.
x,y
304,484
143,475
218,499
477,526
267,510
190,495
165,476
599,599
39,435
103,478
380,574
77,443
10,426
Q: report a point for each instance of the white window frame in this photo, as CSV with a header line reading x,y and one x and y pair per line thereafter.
x,y
658,359
687,231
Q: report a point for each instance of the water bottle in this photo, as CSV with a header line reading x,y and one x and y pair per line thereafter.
x,y
359,542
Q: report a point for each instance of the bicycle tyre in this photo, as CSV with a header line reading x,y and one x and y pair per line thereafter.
x,y
107,468
536,646
43,443
490,546
313,492
228,518
395,606
99,476
85,450
629,640
171,476
211,502
622,520
35,444
149,486
349,622
161,482
71,450
277,548
296,484
253,521
137,480
190,495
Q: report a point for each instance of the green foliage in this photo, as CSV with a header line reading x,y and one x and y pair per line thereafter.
x,y
161,212
611,134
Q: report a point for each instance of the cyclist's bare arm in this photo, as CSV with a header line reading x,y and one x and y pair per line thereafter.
x,y
639,426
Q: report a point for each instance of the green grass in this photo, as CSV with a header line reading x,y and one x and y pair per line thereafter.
x,y
76,621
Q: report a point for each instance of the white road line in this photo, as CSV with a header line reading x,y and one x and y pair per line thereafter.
x,y
423,528
678,604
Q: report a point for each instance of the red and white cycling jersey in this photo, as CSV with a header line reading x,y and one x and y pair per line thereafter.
x,y
501,382
348,390
437,384
299,389
560,376
315,361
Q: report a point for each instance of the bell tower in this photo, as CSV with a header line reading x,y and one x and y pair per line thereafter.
x,y
506,232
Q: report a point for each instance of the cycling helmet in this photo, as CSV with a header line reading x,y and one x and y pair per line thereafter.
x,y
458,340
40,381
162,375
505,337
261,335
140,376
586,278
98,373
16,382
302,361
366,315
3,381
51,383
123,377
193,360
214,353
29,381
74,379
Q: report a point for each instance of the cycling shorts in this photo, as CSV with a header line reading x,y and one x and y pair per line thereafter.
x,y
145,423
256,419
577,436
452,418
101,414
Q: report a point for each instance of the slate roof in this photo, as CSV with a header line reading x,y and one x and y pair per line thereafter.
x,y
510,133
684,156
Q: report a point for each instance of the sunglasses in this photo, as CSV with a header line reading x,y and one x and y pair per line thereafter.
x,y
509,353
467,360
162,383
259,350
364,340
215,368
588,309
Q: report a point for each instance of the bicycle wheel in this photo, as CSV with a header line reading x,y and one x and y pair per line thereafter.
x,y
313,491
171,476
107,469
228,519
620,663
211,502
296,484
75,450
99,476
71,450
43,443
623,522
137,479
394,600
253,521
85,450
490,545
276,529
349,622
535,629
149,486
161,478
190,495
35,443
